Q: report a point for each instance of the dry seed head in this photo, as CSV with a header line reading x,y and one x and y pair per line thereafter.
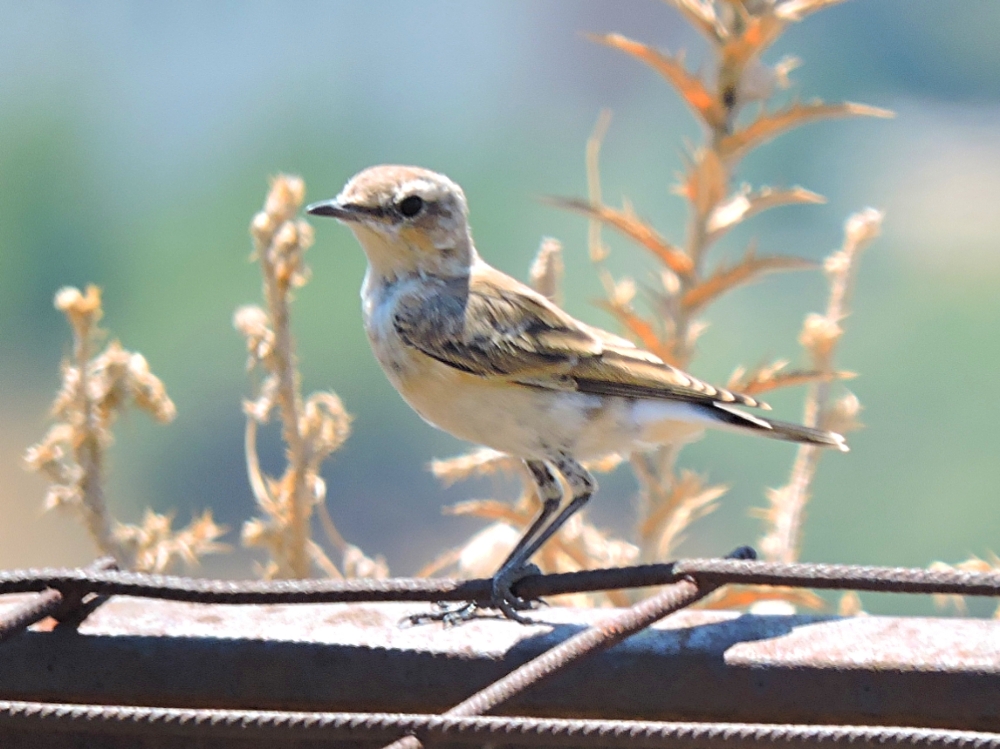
x,y
261,228
254,532
862,227
842,416
695,330
59,495
671,282
623,292
325,423
850,605
819,334
255,325
77,306
547,270
783,69
148,391
837,264
479,462
286,195
118,376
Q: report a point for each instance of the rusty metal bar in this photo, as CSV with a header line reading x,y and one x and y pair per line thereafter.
x,y
694,665
50,602
256,727
697,666
23,616
598,637
828,576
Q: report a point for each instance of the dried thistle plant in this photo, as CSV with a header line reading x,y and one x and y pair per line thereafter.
x,y
819,338
96,389
738,33
820,335
972,564
312,428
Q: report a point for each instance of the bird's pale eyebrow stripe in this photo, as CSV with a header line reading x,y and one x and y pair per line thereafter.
x,y
414,186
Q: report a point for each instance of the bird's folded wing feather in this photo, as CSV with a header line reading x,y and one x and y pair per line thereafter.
x,y
494,327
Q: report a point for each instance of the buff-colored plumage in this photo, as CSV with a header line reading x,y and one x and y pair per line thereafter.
x,y
490,360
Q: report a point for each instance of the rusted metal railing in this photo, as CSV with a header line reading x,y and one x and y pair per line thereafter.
x,y
732,681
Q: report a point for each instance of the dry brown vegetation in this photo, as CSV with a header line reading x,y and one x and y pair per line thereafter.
x,y
735,102
96,389
312,428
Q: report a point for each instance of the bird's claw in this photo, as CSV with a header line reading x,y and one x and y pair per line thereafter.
x,y
503,599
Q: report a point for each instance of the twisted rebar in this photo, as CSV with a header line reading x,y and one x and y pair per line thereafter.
x,y
626,734
718,571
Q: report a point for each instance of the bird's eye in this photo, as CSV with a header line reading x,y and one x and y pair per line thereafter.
x,y
411,206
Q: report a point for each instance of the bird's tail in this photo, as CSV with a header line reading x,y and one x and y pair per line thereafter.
x,y
726,415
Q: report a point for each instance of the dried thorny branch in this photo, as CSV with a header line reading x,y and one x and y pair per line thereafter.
x,y
785,514
819,338
312,428
738,33
96,389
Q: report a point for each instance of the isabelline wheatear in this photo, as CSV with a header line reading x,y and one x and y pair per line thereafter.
x,y
486,358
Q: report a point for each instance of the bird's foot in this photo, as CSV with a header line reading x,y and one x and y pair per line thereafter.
x,y
502,599
446,612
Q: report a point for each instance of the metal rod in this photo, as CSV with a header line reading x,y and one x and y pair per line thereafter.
x,y
827,576
319,726
602,635
19,619
49,602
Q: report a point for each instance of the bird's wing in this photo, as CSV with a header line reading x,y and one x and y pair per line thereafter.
x,y
495,327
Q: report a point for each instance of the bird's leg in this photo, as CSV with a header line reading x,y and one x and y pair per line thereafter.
x,y
550,492
582,485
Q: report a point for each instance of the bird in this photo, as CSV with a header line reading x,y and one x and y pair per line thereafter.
x,y
482,356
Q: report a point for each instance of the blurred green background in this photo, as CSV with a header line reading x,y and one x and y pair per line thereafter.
x,y
136,141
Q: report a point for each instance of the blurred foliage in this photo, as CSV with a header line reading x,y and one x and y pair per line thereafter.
x,y
135,140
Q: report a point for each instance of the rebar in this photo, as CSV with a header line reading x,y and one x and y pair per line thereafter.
x,y
49,602
826,576
318,726
600,636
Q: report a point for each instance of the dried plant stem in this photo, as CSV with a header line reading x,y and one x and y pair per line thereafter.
x,y
786,521
597,249
96,389
312,428
820,336
89,450
289,402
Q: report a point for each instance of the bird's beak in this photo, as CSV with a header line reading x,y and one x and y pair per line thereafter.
x,y
340,211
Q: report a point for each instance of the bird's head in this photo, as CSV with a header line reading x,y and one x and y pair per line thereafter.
x,y
407,219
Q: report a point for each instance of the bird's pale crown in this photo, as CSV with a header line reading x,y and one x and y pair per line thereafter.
x,y
407,219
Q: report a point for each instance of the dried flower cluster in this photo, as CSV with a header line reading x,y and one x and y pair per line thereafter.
x,y
96,388
972,564
731,103
312,428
